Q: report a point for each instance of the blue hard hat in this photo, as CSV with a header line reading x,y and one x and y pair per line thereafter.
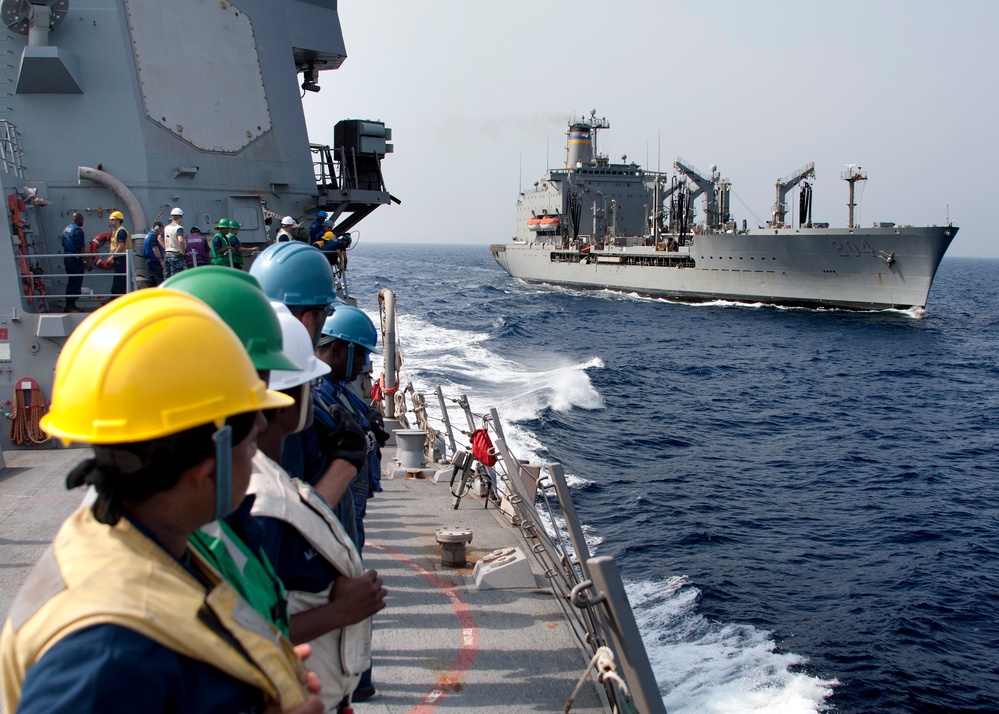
x,y
320,214
294,273
351,324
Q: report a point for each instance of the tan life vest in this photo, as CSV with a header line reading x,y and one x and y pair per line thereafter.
x,y
338,657
119,237
95,574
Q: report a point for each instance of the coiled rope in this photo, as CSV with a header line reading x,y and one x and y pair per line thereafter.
x,y
29,406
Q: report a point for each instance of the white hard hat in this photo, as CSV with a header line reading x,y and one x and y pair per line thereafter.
x,y
287,221
297,345
176,212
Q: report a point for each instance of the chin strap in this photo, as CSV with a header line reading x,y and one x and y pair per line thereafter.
x,y
223,470
304,406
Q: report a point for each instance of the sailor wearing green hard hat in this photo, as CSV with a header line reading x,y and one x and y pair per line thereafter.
x,y
238,250
221,248
171,454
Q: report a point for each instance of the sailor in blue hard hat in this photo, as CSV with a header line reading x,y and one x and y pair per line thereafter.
x,y
317,228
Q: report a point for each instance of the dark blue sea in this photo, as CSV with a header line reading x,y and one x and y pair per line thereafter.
x,y
803,502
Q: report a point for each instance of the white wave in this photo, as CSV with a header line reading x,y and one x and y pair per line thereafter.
x,y
704,666
458,362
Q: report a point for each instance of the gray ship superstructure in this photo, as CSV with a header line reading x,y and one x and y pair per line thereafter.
x,y
598,224
141,107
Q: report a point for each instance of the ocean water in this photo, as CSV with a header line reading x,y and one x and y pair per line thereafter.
x,y
802,502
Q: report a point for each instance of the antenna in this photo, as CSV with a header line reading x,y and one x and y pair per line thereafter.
x,y
851,177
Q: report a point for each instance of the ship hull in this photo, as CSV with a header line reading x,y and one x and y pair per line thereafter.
x,y
870,269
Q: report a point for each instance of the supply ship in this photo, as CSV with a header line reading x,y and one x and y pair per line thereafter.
x,y
598,224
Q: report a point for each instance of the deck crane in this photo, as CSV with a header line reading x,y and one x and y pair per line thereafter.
x,y
784,186
715,190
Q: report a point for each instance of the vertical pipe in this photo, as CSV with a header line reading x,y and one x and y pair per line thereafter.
x,y
851,204
447,420
387,299
129,270
38,28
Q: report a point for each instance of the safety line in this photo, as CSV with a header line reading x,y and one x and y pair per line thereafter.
x,y
448,681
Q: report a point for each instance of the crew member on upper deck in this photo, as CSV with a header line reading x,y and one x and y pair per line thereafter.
x,y
74,242
284,235
119,243
174,244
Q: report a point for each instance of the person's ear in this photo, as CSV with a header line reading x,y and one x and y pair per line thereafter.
x,y
202,475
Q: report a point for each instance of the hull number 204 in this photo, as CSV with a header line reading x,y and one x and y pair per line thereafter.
x,y
850,249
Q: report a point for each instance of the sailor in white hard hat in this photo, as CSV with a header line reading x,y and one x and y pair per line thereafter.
x,y
284,235
174,244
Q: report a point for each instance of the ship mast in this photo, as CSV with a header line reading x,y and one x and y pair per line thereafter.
x,y
851,177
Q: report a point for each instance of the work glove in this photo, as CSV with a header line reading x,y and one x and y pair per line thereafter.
x,y
346,439
378,426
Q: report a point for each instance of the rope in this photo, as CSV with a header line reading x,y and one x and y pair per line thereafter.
x,y
603,660
24,427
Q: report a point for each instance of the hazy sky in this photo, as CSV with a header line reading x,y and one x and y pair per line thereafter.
x,y
478,96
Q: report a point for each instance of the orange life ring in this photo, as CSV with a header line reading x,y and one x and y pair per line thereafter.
x,y
96,245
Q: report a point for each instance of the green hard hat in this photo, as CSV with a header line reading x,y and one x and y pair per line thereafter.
x,y
223,223
237,298
234,224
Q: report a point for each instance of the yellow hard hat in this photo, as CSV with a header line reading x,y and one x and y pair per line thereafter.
x,y
150,364
116,214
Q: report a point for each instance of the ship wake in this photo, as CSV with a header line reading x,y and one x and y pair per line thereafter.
x,y
705,666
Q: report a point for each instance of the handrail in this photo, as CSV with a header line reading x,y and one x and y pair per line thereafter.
x,y
588,589
130,282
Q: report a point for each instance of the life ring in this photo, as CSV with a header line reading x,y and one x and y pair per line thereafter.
x,y
95,247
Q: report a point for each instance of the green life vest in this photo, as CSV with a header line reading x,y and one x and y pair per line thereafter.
x,y
219,258
237,256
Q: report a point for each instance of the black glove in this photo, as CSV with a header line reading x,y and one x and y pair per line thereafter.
x,y
346,439
378,426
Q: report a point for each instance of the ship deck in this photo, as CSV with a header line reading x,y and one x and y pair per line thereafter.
x,y
439,644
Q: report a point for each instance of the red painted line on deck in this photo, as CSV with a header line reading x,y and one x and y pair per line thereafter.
x,y
447,681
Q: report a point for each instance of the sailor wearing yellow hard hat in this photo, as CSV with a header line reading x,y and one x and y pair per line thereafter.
x,y
119,243
121,614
